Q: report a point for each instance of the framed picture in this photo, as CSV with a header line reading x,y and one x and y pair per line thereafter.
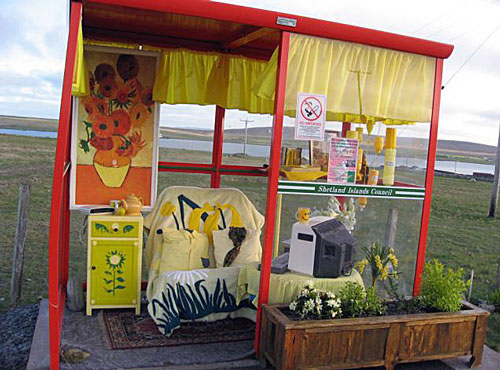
x,y
319,151
114,146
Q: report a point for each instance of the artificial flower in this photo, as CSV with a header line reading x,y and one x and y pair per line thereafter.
x,y
360,266
127,66
393,259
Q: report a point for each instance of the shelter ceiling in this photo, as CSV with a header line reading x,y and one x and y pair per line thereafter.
x,y
119,23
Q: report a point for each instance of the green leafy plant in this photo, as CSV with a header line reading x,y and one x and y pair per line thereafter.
x,y
382,261
352,298
495,298
356,302
442,289
373,305
313,303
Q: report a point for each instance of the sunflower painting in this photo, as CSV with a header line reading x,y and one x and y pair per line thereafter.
x,y
114,281
115,130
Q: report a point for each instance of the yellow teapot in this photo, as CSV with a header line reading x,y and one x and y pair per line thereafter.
x,y
132,205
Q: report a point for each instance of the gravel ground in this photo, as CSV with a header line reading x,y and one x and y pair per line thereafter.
x,y
17,327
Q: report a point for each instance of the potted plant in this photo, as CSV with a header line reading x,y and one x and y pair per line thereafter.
x,y
357,329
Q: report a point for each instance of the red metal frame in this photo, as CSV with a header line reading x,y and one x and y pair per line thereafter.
x,y
59,215
429,177
217,147
272,182
305,25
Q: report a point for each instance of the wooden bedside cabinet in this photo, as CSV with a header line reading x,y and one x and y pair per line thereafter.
x,y
114,261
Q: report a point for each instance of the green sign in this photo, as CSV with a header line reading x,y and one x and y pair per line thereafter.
x,y
350,190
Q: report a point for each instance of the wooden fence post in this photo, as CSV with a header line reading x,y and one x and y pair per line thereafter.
x,y
494,193
19,240
390,228
498,275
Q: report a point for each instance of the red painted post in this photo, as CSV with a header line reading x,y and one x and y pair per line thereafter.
x,y
272,182
59,214
429,178
217,146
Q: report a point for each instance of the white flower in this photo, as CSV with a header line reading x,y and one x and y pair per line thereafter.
x,y
330,295
309,305
332,303
293,306
333,314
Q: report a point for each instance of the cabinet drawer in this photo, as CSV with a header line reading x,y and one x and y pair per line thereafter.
x,y
114,229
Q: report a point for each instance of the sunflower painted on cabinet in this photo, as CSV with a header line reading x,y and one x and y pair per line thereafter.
x,y
114,262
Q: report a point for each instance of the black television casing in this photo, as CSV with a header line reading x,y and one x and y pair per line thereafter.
x,y
334,251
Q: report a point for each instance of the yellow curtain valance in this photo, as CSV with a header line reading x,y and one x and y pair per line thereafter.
x,y
192,77
394,87
363,84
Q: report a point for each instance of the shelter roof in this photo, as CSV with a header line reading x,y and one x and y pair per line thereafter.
x,y
208,25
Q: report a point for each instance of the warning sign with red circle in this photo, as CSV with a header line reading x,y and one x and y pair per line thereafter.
x,y
310,117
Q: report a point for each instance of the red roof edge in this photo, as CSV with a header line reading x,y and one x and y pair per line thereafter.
x,y
304,25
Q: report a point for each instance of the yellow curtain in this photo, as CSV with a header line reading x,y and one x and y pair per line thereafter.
x,y
394,87
80,86
191,77
231,81
182,76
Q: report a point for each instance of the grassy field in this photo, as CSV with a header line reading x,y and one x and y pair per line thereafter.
x,y
460,234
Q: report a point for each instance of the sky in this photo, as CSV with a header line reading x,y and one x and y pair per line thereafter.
x,y
33,41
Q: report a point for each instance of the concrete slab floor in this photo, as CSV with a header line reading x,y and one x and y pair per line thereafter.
x,y
88,334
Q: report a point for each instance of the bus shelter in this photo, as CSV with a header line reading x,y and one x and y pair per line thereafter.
x,y
266,62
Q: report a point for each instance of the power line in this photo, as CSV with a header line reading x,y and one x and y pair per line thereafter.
x,y
448,11
473,53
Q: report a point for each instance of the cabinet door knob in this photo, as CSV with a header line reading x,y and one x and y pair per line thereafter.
x,y
93,267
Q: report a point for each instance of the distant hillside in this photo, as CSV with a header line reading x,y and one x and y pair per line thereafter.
x,y
262,135
28,123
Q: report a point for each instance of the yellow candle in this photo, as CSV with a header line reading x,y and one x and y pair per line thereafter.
x,y
351,135
390,138
360,160
372,177
378,143
359,130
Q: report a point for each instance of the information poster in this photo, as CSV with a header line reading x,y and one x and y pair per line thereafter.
x,y
310,117
342,161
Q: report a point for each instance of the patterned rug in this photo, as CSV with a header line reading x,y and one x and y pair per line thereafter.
x,y
126,330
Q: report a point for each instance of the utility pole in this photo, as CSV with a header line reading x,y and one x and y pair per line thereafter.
x,y
246,120
494,194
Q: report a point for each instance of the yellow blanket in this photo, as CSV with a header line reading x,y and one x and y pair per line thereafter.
x,y
203,210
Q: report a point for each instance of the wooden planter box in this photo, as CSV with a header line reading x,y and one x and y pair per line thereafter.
x,y
371,341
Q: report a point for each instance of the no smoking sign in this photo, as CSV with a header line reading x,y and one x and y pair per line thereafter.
x,y
310,117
